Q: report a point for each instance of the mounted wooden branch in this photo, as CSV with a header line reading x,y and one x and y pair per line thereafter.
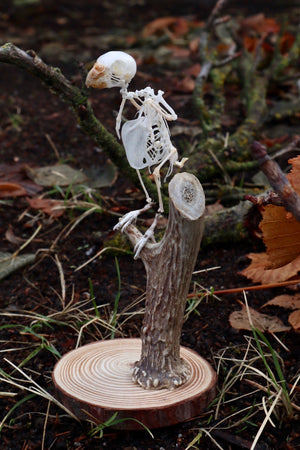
x,y
169,266
102,378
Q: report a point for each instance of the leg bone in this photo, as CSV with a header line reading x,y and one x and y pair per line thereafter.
x,y
148,199
147,236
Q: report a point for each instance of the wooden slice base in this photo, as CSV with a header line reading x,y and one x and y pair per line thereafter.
x,y
94,382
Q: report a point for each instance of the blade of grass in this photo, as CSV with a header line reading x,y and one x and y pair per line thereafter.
x,y
13,408
266,419
93,298
114,421
116,304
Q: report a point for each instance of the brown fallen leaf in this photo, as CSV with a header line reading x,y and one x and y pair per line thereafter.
x,y
294,175
8,189
186,85
281,235
259,24
12,238
285,301
176,25
240,321
258,273
294,320
54,208
15,182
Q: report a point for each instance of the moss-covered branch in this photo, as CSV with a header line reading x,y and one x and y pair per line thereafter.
x,y
57,83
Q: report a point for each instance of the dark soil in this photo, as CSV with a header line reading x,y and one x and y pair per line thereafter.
x,y
67,34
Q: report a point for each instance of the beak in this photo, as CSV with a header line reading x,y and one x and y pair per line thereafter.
x,y
95,77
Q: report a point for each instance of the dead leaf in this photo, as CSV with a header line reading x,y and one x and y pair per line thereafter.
x,y
270,142
294,320
285,301
294,175
57,175
10,263
194,45
101,176
240,321
281,235
12,238
286,42
8,189
186,85
176,25
258,273
259,24
54,208
15,182
193,70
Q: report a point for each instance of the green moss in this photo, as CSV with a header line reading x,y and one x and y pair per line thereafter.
x,y
118,244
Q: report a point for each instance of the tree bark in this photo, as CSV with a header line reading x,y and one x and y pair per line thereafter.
x,y
169,265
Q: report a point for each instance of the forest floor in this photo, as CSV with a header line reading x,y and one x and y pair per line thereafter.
x,y
46,306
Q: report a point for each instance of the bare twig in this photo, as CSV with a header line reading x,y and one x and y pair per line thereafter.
x,y
268,198
215,12
279,182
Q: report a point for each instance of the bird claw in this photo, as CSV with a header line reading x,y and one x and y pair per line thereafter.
x,y
127,220
149,235
142,242
130,217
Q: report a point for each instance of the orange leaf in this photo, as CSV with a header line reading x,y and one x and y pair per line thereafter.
x,y
8,189
294,175
194,45
294,320
193,70
187,84
281,234
285,301
286,42
177,25
179,52
53,208
250,43
258,274
281,231
181,27
269,142
240,321
259,24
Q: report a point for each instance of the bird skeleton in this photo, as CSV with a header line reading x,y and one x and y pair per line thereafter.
x,y
146,138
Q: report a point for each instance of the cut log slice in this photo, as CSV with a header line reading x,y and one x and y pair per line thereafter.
x,y
94,382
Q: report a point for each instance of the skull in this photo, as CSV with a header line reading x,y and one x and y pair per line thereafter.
x,y
113,69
